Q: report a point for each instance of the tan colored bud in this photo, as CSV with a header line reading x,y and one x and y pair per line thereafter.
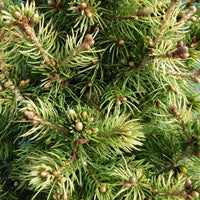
x,y
118,102
17,15
79,126
127,184
44,174
192,19
121,42
169,54
90,84
128,133
88,13
88,38
83,6
103,189
131,64
86,46
7,84
184,56
180,43
193,9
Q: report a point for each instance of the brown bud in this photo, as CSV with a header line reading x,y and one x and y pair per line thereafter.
x,y
132,180
1,87
188,184
192,19
131,64
121,42
196,79
28,31
17,15
22,83
91,119
29,114
184,49
91,43
90,84
27,81
89,132
169,54
148,37
51,3
83,6
84,115
152,50
118,102
44,174
94,62
6,84
62,179
151,44
95,130
124,62
2,76
86,46
180,43
174,107
55,196
53,63
194,39
128,133
195,194
143,11
56,173
193,9
123,99
35,122
127,184
184,56
135,18
88,38
103,189
88,13
79,126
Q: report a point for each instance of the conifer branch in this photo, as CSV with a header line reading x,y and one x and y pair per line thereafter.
x,y
15,90
30,32
193,75
191,11
175,113
168,16
38,120
85,46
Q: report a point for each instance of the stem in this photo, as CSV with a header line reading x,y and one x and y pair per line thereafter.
x,y
30,32
191,75
169,14
53,126
183,155
3,67
178,193
73,54
16,91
